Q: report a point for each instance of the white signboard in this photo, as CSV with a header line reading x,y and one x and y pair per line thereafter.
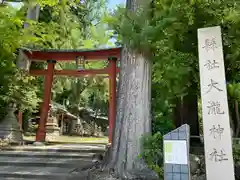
x,y
216,125
175,152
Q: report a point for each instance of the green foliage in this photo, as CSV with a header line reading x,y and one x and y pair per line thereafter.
x,y
67,25
166,32
236,154
234,91
89,92
84,29
97,95
15,85
153,152
23,91
89,32
234,101
161,111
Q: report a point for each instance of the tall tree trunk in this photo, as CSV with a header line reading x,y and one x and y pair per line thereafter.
x,y
133,116
133,112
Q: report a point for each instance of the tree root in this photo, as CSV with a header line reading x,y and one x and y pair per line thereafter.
x,y
101,170
98,174
108,174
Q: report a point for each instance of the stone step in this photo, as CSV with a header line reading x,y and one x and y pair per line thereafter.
x,y
45,162
70,148
12,178
39,178
92,143
38,173
42,154
16,178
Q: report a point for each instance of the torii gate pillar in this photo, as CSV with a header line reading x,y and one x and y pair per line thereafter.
x,y
41,131
112,95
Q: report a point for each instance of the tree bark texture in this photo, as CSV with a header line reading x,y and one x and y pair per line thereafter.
x,y
133,112
133,117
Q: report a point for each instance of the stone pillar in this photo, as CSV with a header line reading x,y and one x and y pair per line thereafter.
x,y
52,129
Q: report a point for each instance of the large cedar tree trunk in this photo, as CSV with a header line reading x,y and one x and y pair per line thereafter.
x,y
133,116
133,119
133,113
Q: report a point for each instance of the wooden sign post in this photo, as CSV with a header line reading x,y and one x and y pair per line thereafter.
x,y
216,125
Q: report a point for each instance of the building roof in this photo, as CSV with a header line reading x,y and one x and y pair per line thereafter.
x,y
63,109
92,114
57,106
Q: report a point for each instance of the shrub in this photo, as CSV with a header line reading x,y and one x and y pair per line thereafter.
x,y
153,152
236,154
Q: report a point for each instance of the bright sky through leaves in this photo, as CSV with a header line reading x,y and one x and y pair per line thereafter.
x,y
113,3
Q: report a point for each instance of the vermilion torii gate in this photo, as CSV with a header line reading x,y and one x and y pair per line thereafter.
x,y
80,56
